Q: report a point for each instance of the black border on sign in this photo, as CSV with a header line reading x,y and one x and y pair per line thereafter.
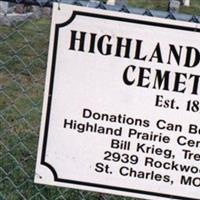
x,y
50,95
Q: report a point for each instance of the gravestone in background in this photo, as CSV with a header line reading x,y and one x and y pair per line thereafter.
x,y
3,7
117,2
174,5
186,2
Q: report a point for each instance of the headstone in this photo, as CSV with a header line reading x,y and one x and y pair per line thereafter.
x,y
121,2
111,2
37,12
19,8
13,18
3,7
117,2
174,5
46,12
94,1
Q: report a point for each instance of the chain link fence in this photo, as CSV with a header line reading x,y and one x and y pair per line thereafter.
x,y
24,33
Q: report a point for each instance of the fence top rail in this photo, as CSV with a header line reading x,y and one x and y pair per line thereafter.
x,y
118,8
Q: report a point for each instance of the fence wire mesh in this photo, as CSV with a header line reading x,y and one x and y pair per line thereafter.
x,y
23,53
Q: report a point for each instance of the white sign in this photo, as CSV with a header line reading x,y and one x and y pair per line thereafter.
x,y
121,110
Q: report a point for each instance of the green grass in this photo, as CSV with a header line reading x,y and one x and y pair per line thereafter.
x,y
194,9
23,55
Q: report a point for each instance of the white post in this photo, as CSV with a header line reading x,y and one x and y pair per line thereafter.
x,y
111,2
117,2
186,2
3,7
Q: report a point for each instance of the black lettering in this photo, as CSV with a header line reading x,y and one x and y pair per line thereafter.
x,y
87,113
157,54
142,77
192,55
92,42
195,83
128,80
104,48
177,55
138,51
75,39
178,82
161,80
127,47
